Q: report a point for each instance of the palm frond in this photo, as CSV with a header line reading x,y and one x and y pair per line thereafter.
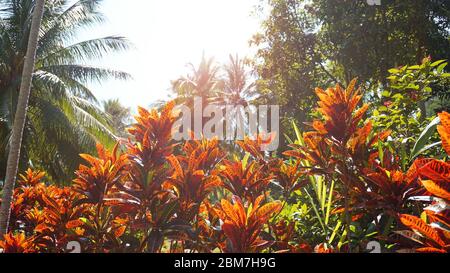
x,y
83,51
86,74
61,24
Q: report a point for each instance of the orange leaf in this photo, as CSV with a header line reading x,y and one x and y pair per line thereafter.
x,y
229,211
74,224
444,131
41,228
430,250
119,231
240,211
176,165
319,127
436,170
436,189
380,136
419,225
360,113
268,209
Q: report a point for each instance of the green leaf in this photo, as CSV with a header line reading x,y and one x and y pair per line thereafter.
x,y
149,179
316,212
436,63
397,96
427,147
382,108
424,137
413,86
298,134
403,153
245,160
380,151
441,67
335,230
330,200
288,139
393,70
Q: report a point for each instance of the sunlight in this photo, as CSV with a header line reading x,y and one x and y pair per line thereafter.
x,y
168,35
224,126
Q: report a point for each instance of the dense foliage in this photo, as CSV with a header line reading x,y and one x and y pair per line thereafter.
x,y
367,165
64,117
337,188
307,43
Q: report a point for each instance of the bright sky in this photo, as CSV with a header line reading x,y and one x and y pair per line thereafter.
x,y
167,35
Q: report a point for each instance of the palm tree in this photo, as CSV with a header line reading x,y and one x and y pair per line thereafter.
x,y
232,88
120,116
19,122
203,82
238,88
64,118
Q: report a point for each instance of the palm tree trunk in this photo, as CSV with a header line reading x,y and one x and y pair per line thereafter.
x,y
20,117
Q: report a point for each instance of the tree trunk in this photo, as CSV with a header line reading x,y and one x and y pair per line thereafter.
x,y
20,117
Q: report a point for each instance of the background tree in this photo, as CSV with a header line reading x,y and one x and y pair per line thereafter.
x,y
238,91
64,117
305,44
229,84
119,116
287,65
369,40
20,116
202,81
238,86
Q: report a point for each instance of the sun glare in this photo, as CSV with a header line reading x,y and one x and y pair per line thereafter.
x,y
168,35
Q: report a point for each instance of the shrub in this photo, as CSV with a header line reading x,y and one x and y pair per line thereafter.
x,y
150,194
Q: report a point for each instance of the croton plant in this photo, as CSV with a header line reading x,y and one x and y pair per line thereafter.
x,y
152,194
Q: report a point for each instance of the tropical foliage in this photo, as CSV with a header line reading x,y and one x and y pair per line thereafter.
x,y
307,43
150,194
362,161
64,117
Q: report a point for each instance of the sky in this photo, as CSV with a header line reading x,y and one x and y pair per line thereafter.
x,y
167,35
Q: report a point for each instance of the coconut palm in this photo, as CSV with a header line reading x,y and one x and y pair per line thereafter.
x,y
120,116
203,81
229,85
238,90
238,87
64,118
20,116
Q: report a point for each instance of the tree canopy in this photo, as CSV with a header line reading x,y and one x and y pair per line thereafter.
x,y
305,44
64,117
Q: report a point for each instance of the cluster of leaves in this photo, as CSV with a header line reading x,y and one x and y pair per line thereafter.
x,y
307,43
432,228
151,194
373,193
407,104
64,117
